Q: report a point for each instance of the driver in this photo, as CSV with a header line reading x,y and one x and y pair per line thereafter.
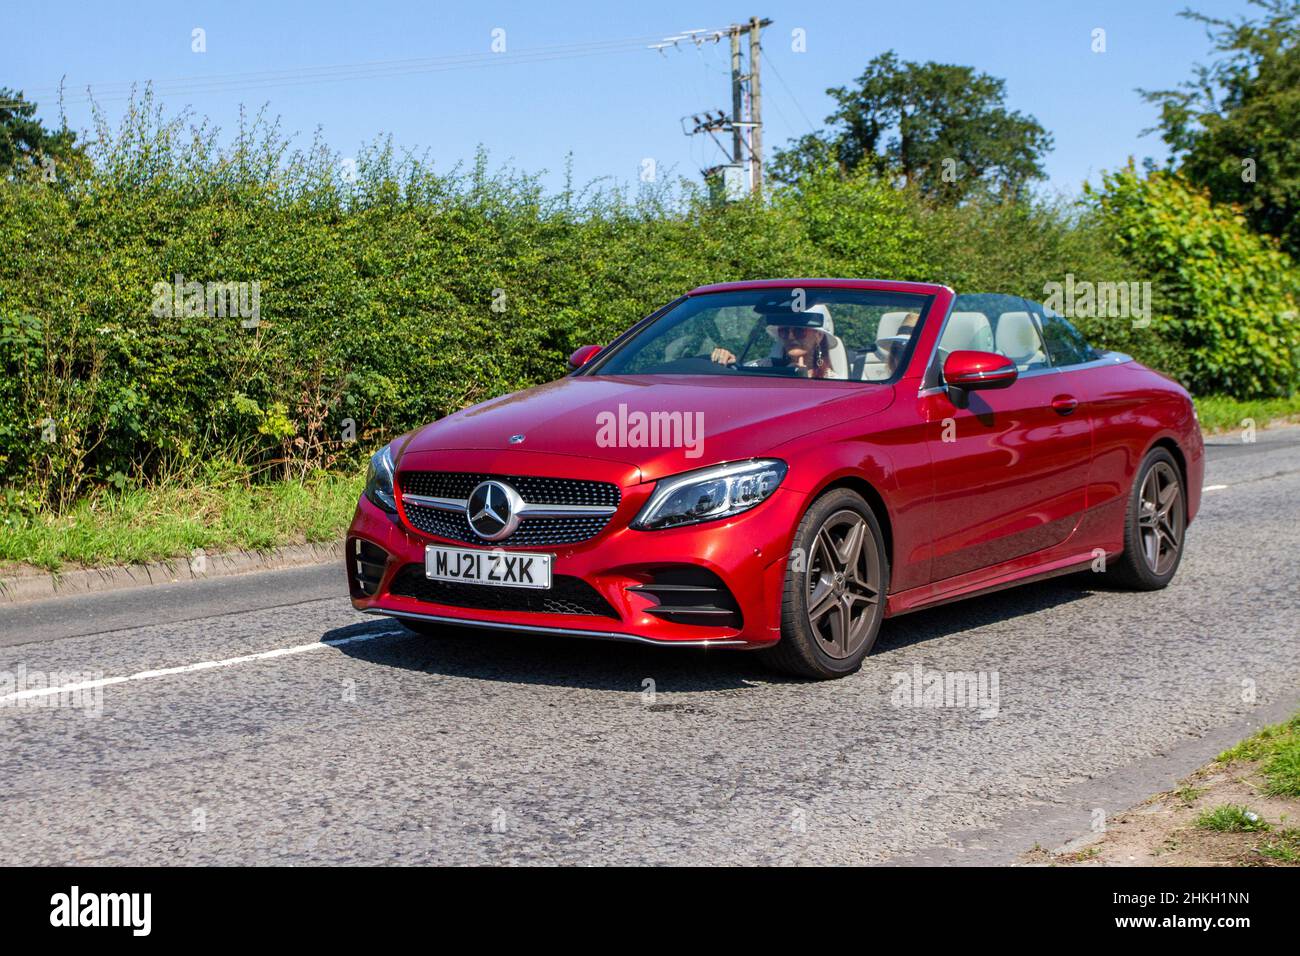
x,y
803,342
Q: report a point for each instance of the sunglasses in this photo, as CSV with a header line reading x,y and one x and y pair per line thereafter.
x,y
793,331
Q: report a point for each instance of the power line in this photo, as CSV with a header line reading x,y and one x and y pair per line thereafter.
x,y
776,104
794,99
374,69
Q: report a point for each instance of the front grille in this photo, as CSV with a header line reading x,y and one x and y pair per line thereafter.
x,y
533,531
534,490
567,595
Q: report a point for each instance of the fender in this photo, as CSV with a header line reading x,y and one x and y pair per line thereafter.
x,y
892,463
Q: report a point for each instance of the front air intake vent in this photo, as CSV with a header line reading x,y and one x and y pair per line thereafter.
x,y
690,595
366,563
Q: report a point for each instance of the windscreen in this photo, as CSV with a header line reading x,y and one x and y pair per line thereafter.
x,y
816,334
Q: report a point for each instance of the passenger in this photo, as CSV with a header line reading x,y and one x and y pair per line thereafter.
x,y
891,352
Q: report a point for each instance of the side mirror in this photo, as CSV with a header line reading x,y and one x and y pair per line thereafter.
x,y
582,356
978,370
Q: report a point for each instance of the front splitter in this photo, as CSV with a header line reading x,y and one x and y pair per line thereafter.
x,y
561,631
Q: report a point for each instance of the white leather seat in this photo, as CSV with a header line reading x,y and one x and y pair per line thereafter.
x,y
874,370
967,331
889,323
875,367
1018,340
839,358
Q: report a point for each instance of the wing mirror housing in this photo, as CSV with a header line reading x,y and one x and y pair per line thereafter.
x,y
583,355
973,371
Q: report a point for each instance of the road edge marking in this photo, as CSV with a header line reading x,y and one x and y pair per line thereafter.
x,y
36,692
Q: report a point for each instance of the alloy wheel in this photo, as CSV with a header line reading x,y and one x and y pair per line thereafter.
x,y
1161,518
844,574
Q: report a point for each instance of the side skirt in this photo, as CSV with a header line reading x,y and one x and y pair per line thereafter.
x,y
1021,570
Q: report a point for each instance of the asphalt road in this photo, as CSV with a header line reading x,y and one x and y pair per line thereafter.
x,y
286,728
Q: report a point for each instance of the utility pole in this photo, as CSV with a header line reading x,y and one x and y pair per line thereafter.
x,y
755,122
741,83
737,100
755,106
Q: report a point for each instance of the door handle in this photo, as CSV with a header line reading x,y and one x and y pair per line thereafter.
x,y
1064,404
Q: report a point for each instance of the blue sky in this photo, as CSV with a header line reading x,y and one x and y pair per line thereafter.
x,y
615,109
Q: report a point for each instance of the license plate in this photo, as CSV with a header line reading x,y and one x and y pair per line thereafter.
x,y
511,569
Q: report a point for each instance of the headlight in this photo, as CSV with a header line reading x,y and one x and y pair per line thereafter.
x,y
379,480
710,493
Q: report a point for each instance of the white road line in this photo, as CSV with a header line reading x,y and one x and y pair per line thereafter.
x,y
189,668
1214,487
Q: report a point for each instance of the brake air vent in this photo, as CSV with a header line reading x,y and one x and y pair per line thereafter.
x,y
691,595
366,564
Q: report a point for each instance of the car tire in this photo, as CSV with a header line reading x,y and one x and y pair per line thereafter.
x,y
833,601
1155,525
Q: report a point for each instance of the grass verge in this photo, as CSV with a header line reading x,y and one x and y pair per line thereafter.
x,y
1231,818
1284,848
149,524
1277,749
1219,414
1241,809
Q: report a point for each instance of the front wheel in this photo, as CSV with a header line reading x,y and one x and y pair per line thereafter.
x,y
1155,525
835,586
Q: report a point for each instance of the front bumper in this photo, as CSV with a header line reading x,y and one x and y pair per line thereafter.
x,y
747,554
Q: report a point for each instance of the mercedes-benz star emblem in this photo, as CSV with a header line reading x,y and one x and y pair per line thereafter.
x,y
493,510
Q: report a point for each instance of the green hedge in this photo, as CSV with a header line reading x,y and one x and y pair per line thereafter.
x,y
1227,297
378,295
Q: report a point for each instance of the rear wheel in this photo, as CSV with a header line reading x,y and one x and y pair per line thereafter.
x,y
835,586
1154,526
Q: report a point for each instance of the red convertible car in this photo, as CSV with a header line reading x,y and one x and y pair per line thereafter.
x,y
780,466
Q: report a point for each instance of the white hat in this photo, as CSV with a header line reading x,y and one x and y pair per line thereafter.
x,y
814,317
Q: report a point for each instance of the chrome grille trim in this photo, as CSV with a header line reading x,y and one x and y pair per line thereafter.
x,y
529,510
442,504
532,488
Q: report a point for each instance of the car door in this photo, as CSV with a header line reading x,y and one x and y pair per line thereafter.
x,y
1079,366
1011,467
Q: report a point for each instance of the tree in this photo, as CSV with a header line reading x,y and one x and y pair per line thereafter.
x,y
1234,128
943,128
26,146
1225,294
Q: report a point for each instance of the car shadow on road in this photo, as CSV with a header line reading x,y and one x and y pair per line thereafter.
x,y
967,615
483,654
